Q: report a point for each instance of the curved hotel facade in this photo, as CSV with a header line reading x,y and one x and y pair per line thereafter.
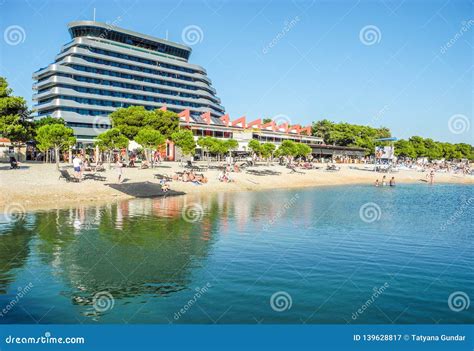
x,y
105,67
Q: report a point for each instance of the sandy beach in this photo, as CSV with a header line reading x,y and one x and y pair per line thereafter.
x,y
37,185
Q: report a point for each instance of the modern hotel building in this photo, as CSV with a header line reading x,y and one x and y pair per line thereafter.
x,y
105,67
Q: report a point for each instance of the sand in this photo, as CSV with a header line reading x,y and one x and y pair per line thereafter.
x,y
37,185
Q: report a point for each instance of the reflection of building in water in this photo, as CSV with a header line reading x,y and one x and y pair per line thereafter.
x,y
15,238
145,254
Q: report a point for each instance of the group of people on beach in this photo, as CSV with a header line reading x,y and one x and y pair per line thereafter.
x,y
384,182
190,176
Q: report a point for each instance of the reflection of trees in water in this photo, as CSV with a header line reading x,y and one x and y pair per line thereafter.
x,y
15,237
133,248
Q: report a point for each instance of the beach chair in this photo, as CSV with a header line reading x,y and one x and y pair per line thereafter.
x,y
163,177
67,177
94,176
294,170
14,163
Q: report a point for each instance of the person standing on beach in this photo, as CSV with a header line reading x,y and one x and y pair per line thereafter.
x,y
118,168
432,176
377,182
76,162
392,181
384,181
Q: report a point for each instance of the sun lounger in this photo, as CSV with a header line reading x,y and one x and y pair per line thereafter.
x,y
94,176
294,170
162,177
65,174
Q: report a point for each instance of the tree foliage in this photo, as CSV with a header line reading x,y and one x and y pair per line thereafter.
x,y
15,121
131,120
345,134
184,139
150,139
111,140
417,146
56,136
255,146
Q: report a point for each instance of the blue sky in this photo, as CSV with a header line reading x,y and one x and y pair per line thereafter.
x,y
302,60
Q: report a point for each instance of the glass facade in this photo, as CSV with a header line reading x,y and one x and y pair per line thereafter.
x,y
104,68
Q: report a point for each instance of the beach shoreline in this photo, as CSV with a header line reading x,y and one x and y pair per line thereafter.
x,y
37,186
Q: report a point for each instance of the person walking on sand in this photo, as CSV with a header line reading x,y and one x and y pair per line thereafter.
x,y
118,168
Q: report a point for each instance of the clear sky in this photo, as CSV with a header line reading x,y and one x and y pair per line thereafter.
x,y
302,60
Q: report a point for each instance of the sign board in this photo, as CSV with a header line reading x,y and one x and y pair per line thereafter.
x,y
384,152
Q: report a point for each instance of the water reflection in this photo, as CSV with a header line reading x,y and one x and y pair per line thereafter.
x,y
131,249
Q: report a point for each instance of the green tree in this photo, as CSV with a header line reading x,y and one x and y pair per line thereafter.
x,y
231,144
434,150
267,150
419,145
56,136
302,150
404,148
255,146
150,139
184,139
15,121
465,150
206,143
131,120
111,140
287,148
48,120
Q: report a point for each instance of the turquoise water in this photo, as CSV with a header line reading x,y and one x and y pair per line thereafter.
x,y
318,252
